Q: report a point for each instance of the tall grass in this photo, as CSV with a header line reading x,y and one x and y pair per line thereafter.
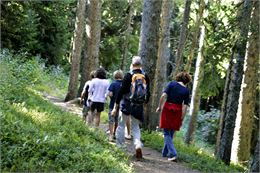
x,y
37,136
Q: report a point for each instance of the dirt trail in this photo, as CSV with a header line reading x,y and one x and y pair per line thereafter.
x,y
152,162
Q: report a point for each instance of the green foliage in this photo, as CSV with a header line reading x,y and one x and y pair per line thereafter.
x,y
113,26
193,156
220,25
19,26
38,136
208,125
38,27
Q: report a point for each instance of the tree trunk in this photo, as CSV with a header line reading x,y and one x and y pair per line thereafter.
x,y
148,46
195,100
93,31
224,104
76,50
127,35
255,163
183,33
235,84
195,37
244,122
161,65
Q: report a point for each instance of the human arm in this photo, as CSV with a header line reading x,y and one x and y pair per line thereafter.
x,y
161,102
185,104
84,92
148,88
124,89
184,109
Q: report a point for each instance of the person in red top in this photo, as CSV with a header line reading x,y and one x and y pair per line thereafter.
x,y
173,111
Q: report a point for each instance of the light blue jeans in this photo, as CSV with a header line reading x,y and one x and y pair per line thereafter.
x,y
120,131
168,148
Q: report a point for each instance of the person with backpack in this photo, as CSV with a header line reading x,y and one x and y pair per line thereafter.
x,y
98,87
177,99
85,98
112,93
133,95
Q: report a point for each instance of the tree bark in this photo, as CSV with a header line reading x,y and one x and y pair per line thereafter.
x,y
93,32
255,163
195,100
76,50
246,110
127,35
224,152
224,105
195,37
148,45
183,34
161,65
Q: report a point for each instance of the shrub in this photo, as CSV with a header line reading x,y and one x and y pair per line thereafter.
x,y
208,125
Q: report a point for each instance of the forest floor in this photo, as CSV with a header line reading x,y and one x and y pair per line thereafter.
x,y
152,162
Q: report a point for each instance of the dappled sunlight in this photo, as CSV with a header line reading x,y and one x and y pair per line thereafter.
x,y
37,116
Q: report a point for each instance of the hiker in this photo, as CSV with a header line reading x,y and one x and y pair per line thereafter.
x,y
132,105
112,93
85,98
98,87
176,95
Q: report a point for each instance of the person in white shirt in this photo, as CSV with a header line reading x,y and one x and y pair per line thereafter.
x,y
85,98
98,87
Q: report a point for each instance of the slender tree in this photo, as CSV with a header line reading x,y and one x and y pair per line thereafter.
x,y
183,35
127,33
76,50
93,31
227,133
148,45
195,37
163,57
198,77
244,123
224,104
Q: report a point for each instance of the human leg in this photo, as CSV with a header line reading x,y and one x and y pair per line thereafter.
x,y
128,127
97,119
165,149
84,114
168,136
99,107
115,124
90,117
137,137
120,131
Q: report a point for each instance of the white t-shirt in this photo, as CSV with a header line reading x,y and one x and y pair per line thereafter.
x,y
98,88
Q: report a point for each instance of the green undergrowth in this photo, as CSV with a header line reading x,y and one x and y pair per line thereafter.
x,y
37,136
191,155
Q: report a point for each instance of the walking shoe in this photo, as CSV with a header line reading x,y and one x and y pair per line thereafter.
x,y
173,159
138,154
128,137
111,138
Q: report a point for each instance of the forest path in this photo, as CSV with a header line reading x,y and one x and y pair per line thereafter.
x,y
152,162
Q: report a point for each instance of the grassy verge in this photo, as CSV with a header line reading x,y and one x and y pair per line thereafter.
x,y
193,156
37,136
